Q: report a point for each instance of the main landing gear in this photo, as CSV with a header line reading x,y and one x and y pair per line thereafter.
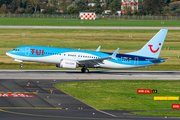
x,y
84,70
21,66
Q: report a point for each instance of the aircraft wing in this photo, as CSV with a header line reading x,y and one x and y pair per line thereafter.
x,y
96,61
93,61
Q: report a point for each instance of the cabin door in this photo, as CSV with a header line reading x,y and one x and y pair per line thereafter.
x,y
136,59
27,51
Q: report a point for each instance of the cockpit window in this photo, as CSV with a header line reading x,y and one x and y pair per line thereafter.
x,y
16,49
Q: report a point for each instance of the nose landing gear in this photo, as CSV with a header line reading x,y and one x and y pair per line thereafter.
x,y
21,66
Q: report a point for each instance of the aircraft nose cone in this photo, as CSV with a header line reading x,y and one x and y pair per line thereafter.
x,y
8,54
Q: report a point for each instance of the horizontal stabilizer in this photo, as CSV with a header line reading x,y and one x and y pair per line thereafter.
x,y
157,59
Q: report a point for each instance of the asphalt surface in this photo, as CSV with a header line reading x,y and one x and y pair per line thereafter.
x,y
93,75
85,27
46,106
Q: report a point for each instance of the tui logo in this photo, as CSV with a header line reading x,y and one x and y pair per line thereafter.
x,y
154,51
38,52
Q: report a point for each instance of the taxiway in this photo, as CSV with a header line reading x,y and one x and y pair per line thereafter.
x,y
56,105
86,27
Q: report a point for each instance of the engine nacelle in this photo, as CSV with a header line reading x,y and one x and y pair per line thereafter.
x,y
67,64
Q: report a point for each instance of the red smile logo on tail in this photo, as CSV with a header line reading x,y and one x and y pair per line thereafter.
x,y
154,51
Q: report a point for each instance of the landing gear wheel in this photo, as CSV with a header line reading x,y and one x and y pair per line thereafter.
x,y
84,70
21,66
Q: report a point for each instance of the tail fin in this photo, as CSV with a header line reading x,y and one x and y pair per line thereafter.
x,y
153,47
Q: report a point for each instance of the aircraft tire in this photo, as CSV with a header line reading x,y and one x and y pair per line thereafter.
x,y
86,70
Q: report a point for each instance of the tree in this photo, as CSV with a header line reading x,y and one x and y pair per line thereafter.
x,y
174,6
82,5
127,10
14,5
20,10
176,12
23,3
49,10
107,4
72,10
135,12
63,5
113,8
117,4
98,8
167,2
173,0
6,2
3,10
29,8
35,4
153,6
166,11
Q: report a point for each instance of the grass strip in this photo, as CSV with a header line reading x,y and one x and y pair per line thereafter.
x,y
122,94
159,113
109,40
77,22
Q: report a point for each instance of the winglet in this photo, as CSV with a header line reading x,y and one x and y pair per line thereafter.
x,y
98,49
113,56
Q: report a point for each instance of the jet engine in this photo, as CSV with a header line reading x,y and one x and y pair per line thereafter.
x,y
67,64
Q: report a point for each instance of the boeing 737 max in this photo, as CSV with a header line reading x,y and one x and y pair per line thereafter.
x,y
71,58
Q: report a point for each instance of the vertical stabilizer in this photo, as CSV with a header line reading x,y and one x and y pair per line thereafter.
x,y
153,47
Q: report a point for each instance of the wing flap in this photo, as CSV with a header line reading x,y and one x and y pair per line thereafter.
x,y
99,60
93,61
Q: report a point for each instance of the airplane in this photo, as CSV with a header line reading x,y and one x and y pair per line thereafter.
x,y
72,58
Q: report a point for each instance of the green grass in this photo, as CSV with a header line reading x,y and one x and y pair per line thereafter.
x,y
110,40
77,22
159,113
122,95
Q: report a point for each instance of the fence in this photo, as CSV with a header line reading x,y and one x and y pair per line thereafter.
x,y
61,16
76,16
136,17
